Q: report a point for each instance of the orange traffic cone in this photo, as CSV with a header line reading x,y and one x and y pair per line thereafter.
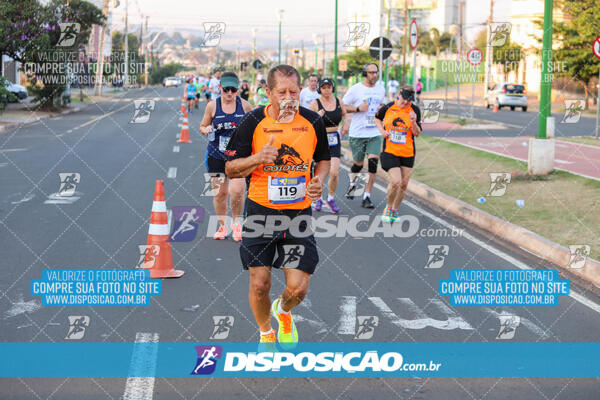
x,y
496,109
185,113
184,137
158,234
182,106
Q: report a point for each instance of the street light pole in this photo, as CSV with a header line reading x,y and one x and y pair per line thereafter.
x,y
546,84
280,18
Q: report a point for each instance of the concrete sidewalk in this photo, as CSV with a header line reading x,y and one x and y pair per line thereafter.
x,y
577,158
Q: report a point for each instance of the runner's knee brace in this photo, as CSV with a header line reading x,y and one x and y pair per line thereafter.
x,y
373,165
355,168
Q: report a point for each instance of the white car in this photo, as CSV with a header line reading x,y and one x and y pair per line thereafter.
x,y
19,91
507,95
171,81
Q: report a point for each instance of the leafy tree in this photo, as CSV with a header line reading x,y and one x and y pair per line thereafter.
x,y
31,32
356,61
159,73
429,46
574,37
508,55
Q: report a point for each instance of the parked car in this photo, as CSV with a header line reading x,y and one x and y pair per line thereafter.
x,y
171,81
507,95
19,91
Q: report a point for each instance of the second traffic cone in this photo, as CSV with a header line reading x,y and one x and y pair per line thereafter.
x,y
158,234
182,106
496,108
184,137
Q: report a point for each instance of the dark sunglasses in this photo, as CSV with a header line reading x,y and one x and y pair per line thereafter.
x,y
230,89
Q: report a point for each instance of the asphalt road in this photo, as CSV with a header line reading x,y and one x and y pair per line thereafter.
x,y
107,219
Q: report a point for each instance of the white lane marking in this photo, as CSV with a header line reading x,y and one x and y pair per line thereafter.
x,y
140,384
98,118
20,306
24,199
172,172
524,321
320,326
574,295
55,198
175,149
347,324
453,322
12,150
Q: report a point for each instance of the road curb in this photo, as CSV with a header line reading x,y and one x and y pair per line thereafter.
x,y
514,234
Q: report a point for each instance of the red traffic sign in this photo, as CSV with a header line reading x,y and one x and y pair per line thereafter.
x,y
414,34
474,56
596,47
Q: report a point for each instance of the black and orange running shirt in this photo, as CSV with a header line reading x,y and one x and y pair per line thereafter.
x,y
396,121
282,184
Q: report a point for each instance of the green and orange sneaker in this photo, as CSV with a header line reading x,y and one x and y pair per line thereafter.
x,y
287,334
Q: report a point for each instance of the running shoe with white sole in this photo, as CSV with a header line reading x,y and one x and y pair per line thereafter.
x,y
287,334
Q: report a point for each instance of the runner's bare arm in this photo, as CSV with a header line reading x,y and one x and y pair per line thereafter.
x,y
416,129
206,124
379,125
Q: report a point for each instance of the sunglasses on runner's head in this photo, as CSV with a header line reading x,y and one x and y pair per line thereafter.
x,y
230,89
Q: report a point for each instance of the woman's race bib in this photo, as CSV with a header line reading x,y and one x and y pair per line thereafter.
x,y
397,136
286,190
332,138
223,141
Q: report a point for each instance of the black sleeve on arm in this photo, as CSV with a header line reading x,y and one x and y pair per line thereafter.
x,y
240,144
417,111
381,113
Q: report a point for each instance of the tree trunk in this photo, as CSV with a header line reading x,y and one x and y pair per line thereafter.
x,y
587,94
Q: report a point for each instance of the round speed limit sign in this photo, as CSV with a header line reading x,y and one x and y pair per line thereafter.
x,y
474,56
596,47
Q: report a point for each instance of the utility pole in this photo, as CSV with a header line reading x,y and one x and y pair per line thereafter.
x,y
405,42
489,50
254,30
324,61
387,69
461,7
335,59
146,57
303,53
126,58
316,40
100,58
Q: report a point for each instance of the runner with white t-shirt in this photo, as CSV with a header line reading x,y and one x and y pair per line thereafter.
x,y
309,93
363,101
213,85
